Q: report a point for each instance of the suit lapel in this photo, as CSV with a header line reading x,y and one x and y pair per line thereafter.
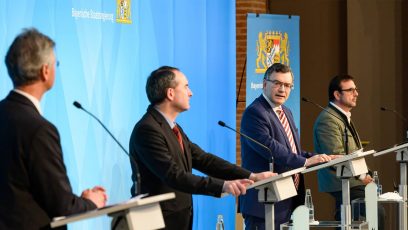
x,y
275,120
355,135
187,152
179,154
350,126
171,138
292,128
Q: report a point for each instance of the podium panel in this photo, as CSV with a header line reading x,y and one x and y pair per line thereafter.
x,y
278,190
140,218
141,214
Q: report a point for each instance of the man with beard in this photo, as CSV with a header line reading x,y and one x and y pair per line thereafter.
x,y
329,138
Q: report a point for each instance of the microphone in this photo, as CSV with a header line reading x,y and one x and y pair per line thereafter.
x,y
399,115
138,180
221,123
314,103
346,148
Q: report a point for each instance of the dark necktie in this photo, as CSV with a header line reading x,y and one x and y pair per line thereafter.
x,y
355,135
176,131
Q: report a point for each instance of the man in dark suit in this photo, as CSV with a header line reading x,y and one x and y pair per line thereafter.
x,y
34,186
166,156
271,123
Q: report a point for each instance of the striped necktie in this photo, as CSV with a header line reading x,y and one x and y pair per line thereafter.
x,y
285,124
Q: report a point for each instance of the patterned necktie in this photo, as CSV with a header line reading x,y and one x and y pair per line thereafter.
x,y
176,131
285,124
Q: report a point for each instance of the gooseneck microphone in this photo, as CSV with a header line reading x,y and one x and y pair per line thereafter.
x,y
138,180
346,141
399,115
221,123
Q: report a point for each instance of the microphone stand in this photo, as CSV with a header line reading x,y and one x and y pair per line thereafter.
x,y
403,189
269,205
271,160
138,180
345,183
346,140
399,115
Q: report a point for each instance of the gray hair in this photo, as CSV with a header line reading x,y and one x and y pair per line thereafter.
x,y
27,54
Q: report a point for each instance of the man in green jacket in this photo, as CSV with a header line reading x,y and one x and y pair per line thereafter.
x,y
328,133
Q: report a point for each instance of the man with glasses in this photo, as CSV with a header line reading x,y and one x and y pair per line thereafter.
x,y
328,134
271,123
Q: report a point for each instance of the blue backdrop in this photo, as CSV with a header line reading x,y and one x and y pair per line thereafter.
x,y
106,53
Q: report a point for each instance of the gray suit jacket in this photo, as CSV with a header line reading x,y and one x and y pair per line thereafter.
x,y
328,134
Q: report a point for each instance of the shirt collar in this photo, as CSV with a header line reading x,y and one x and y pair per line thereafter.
x,y
348,114
274,107
30,97
170,122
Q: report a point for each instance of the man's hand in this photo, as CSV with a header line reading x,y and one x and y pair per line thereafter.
x,y
316,159
262,175
236,187
97,195
332,157
367,180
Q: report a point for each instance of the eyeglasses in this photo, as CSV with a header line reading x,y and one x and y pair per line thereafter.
x,y
279,84
350,90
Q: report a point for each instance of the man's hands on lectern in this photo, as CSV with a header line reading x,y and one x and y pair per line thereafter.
x,y
97,195
262,175
238,187
332,157
316,159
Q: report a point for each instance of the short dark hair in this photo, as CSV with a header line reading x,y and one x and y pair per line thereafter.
x,y
278,68
27,54
335,82
158,82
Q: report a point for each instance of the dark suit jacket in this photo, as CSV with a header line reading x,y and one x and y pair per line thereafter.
x,y
34,186
328,133
260,122
165,168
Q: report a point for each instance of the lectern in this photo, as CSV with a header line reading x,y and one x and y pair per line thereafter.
x,y
274,189
141,214
346,167
402,158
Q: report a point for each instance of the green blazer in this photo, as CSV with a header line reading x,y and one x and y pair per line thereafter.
x,y
328,135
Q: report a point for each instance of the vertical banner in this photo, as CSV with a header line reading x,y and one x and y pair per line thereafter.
x,y
272,39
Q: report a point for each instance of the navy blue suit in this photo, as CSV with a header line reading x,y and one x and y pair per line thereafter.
x,y
260,122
